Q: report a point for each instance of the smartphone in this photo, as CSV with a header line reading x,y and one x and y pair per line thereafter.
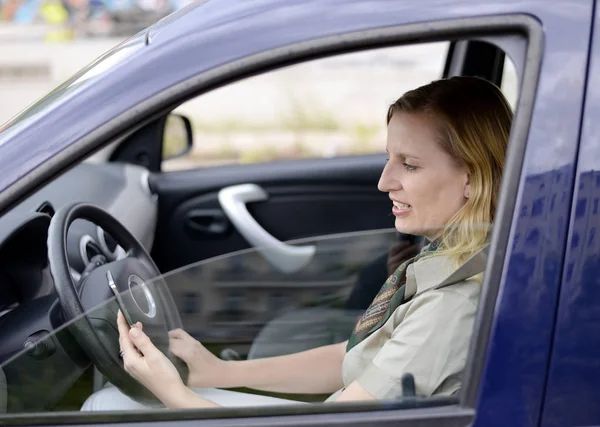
x,y
113,287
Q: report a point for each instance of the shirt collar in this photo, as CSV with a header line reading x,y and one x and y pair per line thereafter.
x,y
439,271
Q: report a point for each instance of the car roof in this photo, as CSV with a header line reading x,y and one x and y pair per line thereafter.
x,y
204,15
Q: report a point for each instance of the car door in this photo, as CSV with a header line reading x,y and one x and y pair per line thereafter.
x,y
574,370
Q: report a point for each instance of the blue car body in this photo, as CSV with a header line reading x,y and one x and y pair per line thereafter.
x,y
541,363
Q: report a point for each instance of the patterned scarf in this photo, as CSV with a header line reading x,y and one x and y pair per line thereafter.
x,y
389,298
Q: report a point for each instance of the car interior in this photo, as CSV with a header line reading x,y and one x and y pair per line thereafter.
x,y
254,260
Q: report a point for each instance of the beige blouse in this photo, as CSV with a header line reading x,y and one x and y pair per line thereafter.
x,y
427,336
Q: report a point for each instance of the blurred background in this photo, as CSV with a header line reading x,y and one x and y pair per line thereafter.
x,y
43,42
61,20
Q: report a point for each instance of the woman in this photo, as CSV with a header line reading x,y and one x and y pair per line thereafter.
x,y
446,143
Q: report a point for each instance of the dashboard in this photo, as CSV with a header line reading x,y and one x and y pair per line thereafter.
x,y
25,279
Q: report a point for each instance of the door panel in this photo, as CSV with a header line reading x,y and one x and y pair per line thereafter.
x,y
574,372
305,198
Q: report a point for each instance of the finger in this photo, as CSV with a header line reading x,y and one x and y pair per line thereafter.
x,y
175,333
178,334
125,342
142,342
121,323
177,348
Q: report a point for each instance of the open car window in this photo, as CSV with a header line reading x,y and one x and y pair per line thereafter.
x,y
287,113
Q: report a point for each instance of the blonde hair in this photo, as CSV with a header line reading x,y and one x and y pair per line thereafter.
x,y
473,120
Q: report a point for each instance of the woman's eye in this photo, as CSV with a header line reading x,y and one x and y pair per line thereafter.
x,y
409,168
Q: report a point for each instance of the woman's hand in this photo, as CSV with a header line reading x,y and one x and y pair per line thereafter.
x,y
206,370
147,364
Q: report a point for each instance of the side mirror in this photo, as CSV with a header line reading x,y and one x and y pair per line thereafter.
x,y
177,138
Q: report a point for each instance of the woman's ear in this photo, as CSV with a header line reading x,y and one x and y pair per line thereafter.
x,y
468,187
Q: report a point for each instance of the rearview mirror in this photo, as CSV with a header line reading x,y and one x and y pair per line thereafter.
x,y
177,136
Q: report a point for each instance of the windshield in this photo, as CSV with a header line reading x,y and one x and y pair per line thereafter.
x,y
81,79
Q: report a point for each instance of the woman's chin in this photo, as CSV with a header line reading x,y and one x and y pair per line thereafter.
x,y
403,226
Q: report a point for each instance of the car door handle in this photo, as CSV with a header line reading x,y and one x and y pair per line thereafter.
x,y
207,221
284,257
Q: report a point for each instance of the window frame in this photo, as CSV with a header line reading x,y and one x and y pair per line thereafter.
x,y
403,413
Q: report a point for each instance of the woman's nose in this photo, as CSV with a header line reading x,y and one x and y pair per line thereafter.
x,y
387,181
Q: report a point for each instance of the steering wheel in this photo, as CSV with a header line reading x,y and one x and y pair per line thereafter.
x,y
90,307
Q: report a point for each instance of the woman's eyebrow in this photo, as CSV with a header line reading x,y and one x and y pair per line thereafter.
x,y
404,154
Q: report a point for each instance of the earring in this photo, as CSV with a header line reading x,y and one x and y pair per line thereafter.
x,y
467,193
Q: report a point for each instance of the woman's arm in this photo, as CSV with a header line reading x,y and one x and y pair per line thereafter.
x,y
314,371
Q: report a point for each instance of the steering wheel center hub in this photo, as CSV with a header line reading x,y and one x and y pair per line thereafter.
x,y
142,296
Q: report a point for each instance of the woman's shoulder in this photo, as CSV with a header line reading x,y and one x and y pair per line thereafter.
x,y
466,291
438,272
435,306
432,301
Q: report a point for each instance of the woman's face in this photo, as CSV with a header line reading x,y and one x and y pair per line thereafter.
x,y
424,184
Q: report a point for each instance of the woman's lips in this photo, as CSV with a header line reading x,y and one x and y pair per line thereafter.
x,y
400,210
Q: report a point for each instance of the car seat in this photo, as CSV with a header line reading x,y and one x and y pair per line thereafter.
x,y
307,328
